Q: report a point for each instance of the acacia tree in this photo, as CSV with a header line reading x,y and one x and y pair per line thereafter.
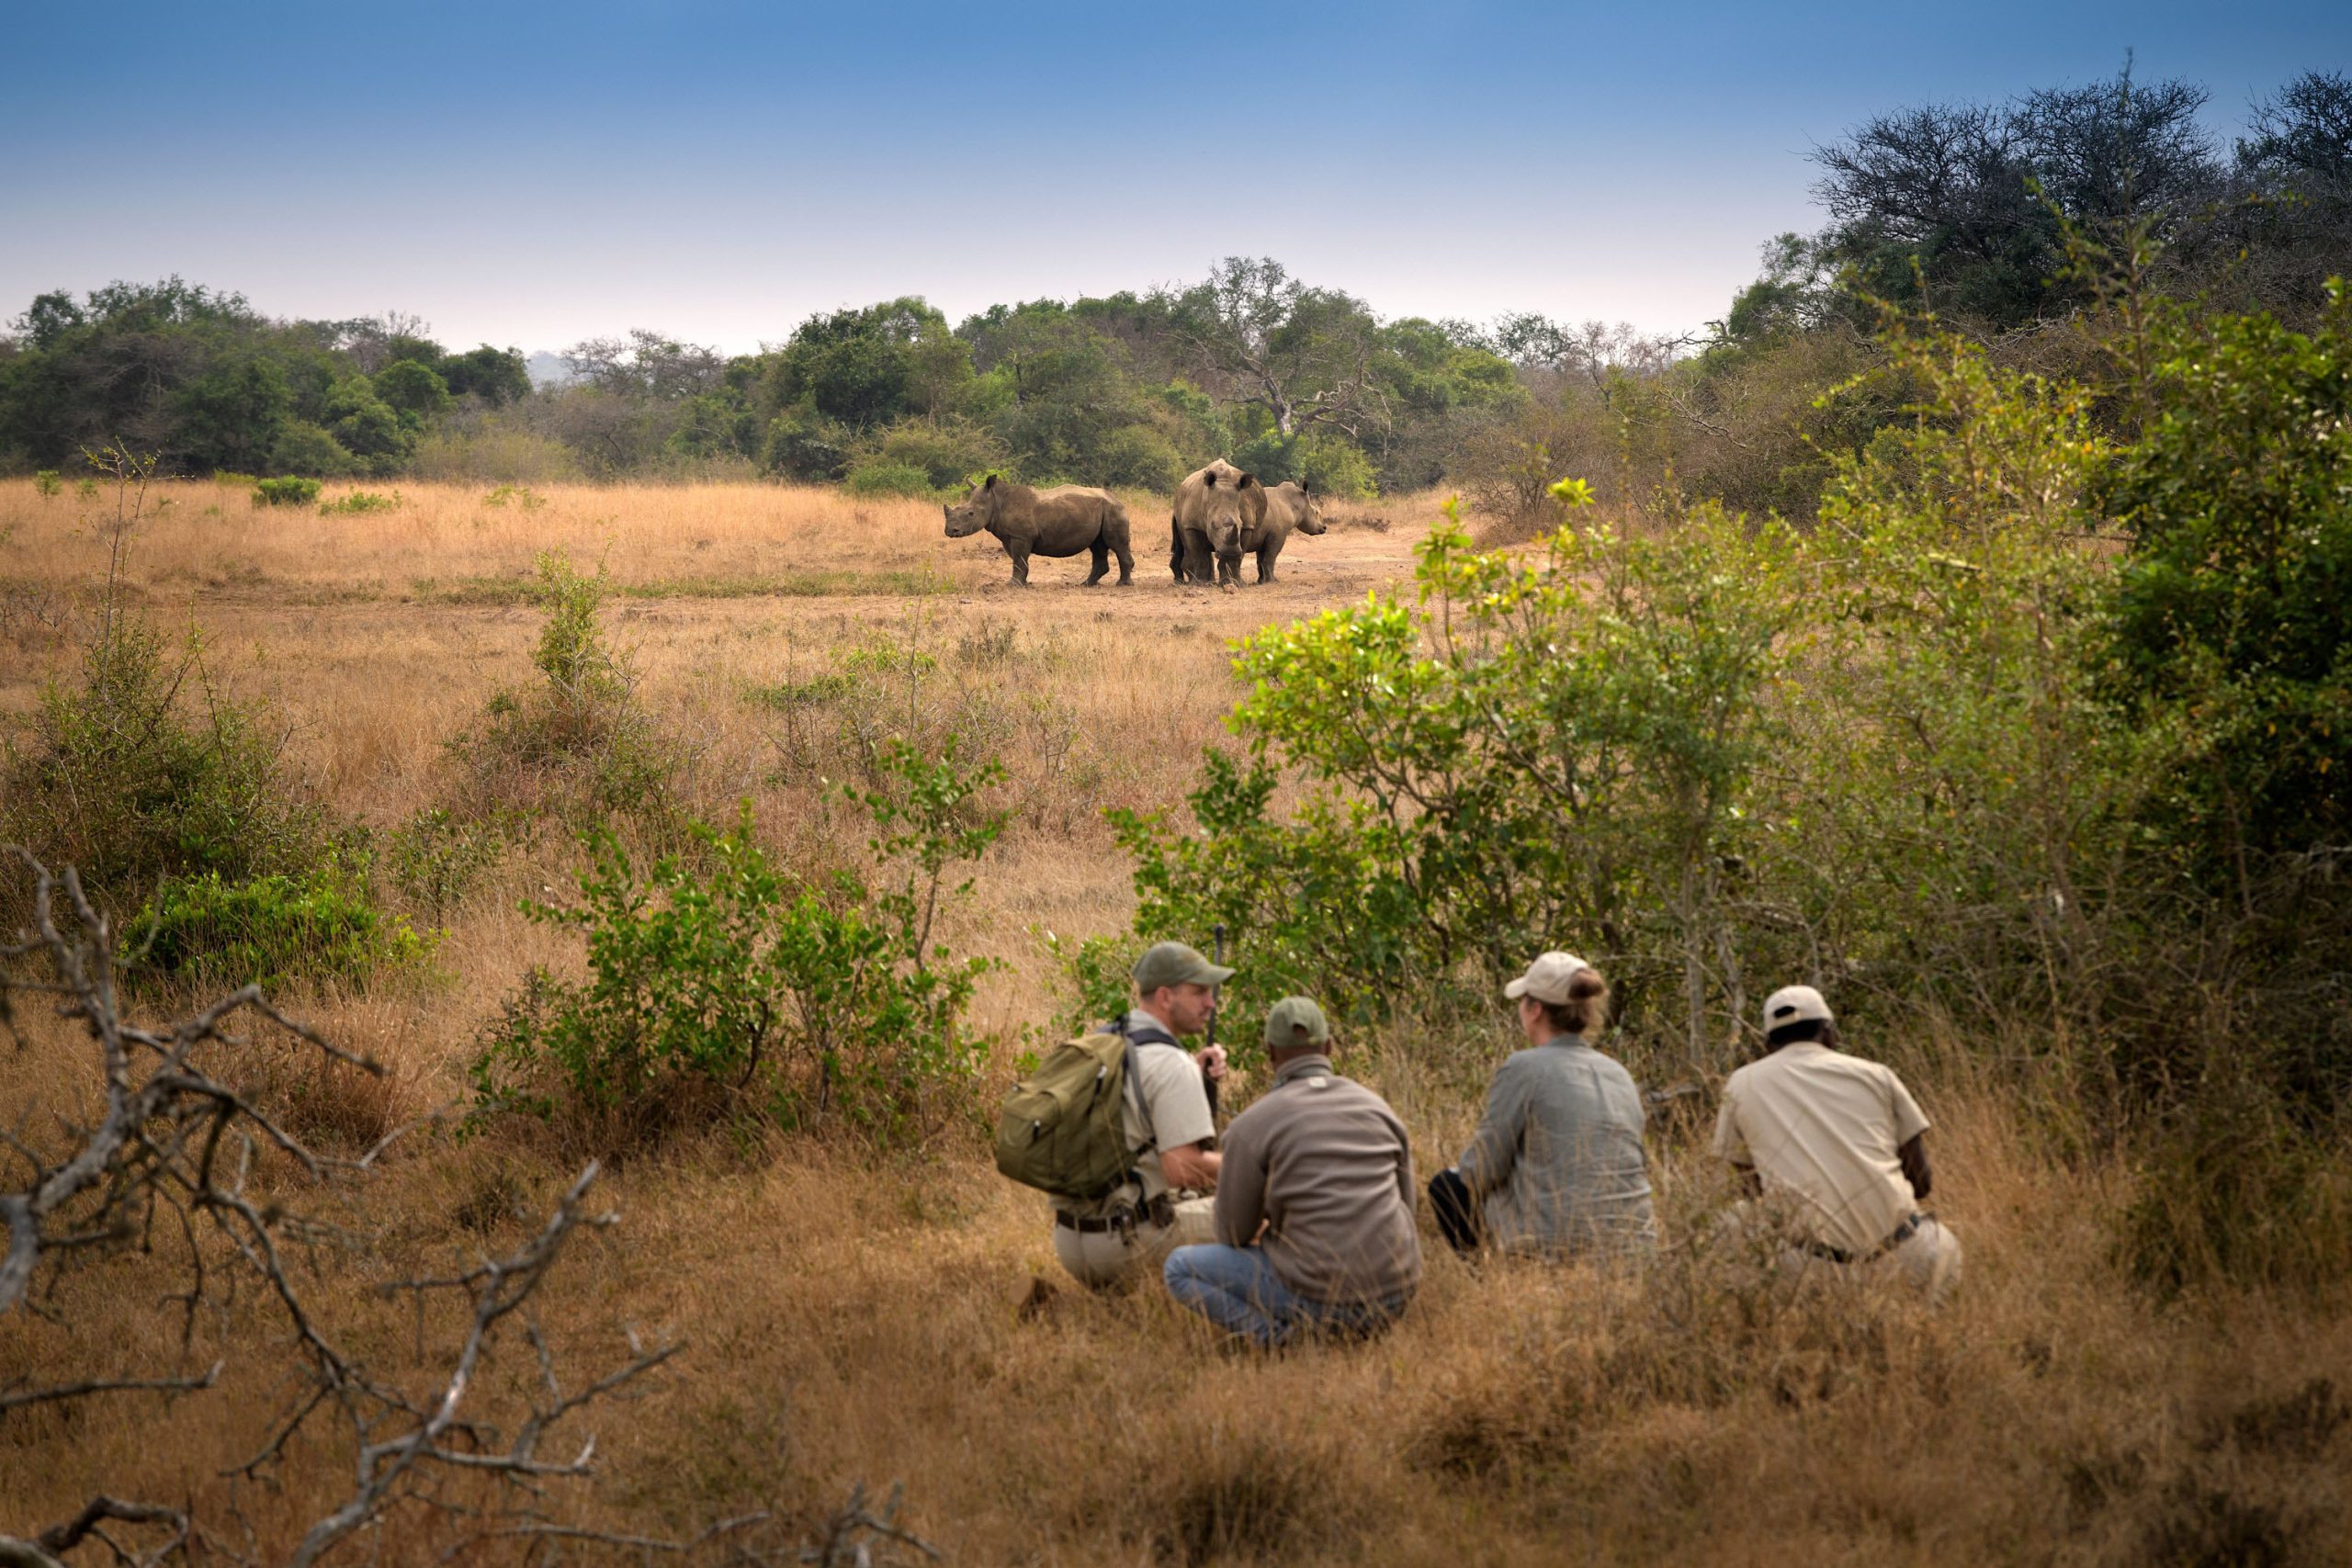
x,y
1260,336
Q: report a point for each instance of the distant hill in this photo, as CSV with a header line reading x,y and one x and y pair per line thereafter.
x,y
549,369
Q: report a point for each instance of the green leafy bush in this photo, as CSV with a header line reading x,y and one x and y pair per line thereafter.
x,y
46,481
291,491
1323,464
320,923
1561,743
142,770
944,450
2233,604
520,496
360,501
305,449
886,479
720,985
805,447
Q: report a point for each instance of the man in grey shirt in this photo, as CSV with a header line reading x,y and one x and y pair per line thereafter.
x,y
1313,1202
1555,1169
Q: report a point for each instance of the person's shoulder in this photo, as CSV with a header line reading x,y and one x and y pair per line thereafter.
x,y
1746,1075
1158,1061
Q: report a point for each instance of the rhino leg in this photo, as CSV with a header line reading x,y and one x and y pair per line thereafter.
x,y
1102,554
1266,554
1020,553
1175,550
1126,555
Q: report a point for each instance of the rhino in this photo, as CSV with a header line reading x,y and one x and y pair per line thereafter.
x,y
1060,522
1288,505
1215,506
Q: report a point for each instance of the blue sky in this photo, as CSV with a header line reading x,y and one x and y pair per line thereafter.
x,y
532,174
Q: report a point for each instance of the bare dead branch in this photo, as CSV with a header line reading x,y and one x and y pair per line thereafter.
x,y
18,1399
65,1537
390,1468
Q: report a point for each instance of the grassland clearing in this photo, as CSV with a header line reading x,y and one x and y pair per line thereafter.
x,y
852,1319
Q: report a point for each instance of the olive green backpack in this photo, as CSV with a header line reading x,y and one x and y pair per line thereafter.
x,y
1060,1129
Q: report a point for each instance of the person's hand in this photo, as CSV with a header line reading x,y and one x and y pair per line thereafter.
x,y
1212,1060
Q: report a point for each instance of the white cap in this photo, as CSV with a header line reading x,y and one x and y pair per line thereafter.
x,y
1794,1004
1548,979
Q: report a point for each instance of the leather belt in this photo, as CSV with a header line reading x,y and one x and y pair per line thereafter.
x,y
1107,1225
1894,1239
1158,1213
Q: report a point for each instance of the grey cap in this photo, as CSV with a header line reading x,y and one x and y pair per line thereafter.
x,y
1294,1021
1173,963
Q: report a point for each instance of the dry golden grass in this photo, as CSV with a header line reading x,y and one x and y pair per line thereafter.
x,y
854,1321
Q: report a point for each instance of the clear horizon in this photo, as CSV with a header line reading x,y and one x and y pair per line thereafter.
x,y
718,172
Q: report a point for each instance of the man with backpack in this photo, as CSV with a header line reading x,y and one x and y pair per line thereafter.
x,y
1314,1210
1115,1127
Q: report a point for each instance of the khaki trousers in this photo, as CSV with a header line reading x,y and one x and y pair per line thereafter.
x,y
1109,1259
1927,1261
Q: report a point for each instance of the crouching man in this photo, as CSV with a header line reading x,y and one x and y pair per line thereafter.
x,y
1128,1233
1313,1202
1834,1150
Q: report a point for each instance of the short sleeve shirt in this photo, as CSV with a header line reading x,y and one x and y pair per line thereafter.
x,y
1170,1082
1822,1129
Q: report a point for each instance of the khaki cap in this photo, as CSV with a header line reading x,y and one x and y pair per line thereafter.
x,y
1173,963
1548,979
1794,1004
1294,1021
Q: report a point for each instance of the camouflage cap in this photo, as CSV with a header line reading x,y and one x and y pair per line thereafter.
x,y
1294,1021
1173,963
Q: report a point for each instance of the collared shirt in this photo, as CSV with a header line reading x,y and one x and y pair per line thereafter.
x,y
1822,1129
1558,1154
1323,1164
1170,1081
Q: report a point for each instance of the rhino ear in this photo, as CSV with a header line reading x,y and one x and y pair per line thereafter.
x,y
991,484
1247,481
1212,480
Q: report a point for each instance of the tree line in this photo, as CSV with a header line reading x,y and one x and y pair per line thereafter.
x,y
1964,209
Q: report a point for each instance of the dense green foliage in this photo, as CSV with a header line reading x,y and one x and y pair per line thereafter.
x,y
204,382
2232,605
322,922
292,490
721,984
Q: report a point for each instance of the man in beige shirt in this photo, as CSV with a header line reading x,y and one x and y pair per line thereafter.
x,y
1126,1234
1313,1202
1834,1148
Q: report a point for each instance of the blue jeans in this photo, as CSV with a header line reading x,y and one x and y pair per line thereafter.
x,y
1236,1289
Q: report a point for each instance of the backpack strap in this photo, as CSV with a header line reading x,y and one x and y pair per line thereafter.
x,y
1149,1035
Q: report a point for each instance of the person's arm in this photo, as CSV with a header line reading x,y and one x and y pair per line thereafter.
x,y
1240,1183
1487,1164
1915,1170
1405,1188
1191,1165
1910,1135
